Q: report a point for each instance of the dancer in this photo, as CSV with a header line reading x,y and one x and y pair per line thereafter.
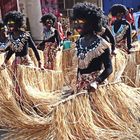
x,y
92,50
51,42
20,40
121,29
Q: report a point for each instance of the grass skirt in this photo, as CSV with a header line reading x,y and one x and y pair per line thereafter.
x,y
131,72
43,112
112,112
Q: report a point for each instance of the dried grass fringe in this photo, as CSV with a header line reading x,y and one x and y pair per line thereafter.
x,y
43,113
131,72
112,112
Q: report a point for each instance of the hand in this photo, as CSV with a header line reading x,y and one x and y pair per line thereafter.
x,y
40,65
2,51
114,52
3,66
128,51
59,48
93,86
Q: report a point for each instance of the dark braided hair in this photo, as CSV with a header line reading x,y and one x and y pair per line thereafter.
x,y
48,16
15,16
89,12
118,8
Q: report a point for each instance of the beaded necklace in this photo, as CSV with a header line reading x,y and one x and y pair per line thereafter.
x,y
120,33
87,53
83,50
19,43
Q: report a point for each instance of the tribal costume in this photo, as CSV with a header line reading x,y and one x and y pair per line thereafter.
x,y
90,60
108,36
51,41
19,46
121,29
122,32
92,50
20,41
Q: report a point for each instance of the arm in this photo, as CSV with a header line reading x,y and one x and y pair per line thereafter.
x,y
32,45
128,36
41,46
111,38
8,56
105,57
57,36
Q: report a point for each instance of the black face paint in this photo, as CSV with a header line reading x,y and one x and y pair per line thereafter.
x,y
49,23
83,27
119,16
11,26
79,26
